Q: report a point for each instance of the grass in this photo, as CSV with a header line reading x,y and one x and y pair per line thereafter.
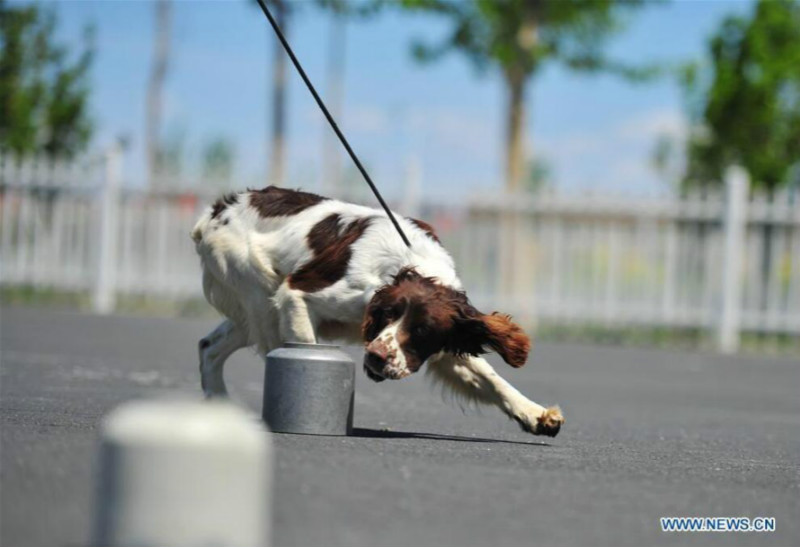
x,y
49,298
666,338
149,306
654,337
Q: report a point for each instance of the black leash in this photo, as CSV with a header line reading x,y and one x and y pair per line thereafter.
x,y
335,127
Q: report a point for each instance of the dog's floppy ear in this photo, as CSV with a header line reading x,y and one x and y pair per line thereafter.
x,y
371,324
475,331
507,338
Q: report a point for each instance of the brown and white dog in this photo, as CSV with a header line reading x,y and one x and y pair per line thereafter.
x,y
285,265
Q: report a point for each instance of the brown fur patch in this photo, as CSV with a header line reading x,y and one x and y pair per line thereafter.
x,y
332,251
275,202
324,234
425,227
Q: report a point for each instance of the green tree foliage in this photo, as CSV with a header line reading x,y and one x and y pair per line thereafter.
x,y
171,157
666,160
520,37
746,104
218,158
539,175
43,94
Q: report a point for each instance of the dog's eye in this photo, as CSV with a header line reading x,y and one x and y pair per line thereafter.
x,y
421,330
393,312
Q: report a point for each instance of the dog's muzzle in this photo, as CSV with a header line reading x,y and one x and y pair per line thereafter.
x,y
379,363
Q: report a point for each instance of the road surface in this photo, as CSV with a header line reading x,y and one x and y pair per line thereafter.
x,y
648,434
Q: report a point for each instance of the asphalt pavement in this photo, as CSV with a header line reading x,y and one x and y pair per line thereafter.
x,y
649,434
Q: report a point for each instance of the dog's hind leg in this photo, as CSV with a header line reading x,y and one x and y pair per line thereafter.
x,y
475,379
214,350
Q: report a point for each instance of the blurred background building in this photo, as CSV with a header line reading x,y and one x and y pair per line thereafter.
x,y
621,171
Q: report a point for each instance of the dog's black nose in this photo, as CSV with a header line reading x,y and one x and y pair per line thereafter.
x,y
375,361
372,375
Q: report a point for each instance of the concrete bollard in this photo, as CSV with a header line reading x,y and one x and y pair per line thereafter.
x,y
309,388
180,474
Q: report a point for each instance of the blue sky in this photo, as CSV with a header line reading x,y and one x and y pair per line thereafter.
x,y
597,132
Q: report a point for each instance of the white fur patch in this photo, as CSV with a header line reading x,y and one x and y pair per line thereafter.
x,y
396,363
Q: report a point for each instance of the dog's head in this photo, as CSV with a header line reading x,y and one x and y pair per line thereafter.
x,y
415,317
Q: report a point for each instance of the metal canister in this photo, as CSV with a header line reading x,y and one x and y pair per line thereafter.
x,y
309,389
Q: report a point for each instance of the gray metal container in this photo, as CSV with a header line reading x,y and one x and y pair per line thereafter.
x,y
308,388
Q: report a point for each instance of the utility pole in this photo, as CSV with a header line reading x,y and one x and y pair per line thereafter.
x,y
155,89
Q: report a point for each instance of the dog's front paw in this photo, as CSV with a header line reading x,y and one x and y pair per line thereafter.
x,y
550,422
547,423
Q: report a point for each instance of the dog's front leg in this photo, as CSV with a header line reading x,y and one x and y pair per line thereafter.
x,y
475,378
295,320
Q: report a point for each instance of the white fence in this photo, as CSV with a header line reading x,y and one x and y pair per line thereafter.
x,y
74,227
706,261
717,261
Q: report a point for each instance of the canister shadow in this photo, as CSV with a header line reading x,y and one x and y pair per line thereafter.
x,y
383,434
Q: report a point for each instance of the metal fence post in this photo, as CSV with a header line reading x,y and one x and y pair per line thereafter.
x,y
736,184
104,297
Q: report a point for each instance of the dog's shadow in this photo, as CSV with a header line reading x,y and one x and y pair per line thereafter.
x,y
365,432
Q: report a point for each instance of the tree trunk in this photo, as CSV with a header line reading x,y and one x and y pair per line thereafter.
x,y
155,89
277,145
516,267
515,134
514,282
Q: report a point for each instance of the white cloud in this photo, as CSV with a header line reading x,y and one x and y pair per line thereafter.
x,y
368,119
461,147
612,157
456,147
460,130
653,124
